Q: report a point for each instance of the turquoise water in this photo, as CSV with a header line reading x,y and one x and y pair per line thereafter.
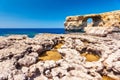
x,y
31,32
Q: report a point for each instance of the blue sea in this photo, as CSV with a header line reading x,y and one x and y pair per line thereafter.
x,y
31,32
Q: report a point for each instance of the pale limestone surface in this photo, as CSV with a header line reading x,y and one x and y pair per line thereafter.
x,y
19,58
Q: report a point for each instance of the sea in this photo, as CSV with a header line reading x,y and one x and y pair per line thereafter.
x,y
31,32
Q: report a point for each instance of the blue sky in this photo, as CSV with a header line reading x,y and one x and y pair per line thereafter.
x,y
48,13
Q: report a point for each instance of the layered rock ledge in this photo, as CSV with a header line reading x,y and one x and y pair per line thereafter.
x,y
60,57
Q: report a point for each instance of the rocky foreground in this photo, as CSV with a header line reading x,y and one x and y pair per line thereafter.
x,y
60,57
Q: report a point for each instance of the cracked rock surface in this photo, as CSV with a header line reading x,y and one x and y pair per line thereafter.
x,y
20,57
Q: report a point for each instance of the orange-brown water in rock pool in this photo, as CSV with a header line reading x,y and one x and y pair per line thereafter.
x,y
107,78
50,55
90,57
53,54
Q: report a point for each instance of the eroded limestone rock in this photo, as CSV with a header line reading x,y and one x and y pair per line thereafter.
x,y
20,60
99,25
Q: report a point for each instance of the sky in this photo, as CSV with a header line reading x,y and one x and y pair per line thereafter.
x,y
49,13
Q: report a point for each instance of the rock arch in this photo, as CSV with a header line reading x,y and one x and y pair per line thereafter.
x,y
107,19
96,20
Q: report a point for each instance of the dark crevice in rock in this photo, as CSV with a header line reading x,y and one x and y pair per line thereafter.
x,y
70,68
92,51
10,56
60,75
29,49
17,57
40,51
47,73
96,52
7,57
2,59
101,72
18,66
83,50
85,41
116,73
36,74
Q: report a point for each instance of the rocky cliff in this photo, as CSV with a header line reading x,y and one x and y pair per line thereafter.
x,y
106,20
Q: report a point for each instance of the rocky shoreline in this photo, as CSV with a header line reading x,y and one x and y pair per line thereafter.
x,y
60,57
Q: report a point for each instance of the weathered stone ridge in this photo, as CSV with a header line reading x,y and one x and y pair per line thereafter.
x,y
108,19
